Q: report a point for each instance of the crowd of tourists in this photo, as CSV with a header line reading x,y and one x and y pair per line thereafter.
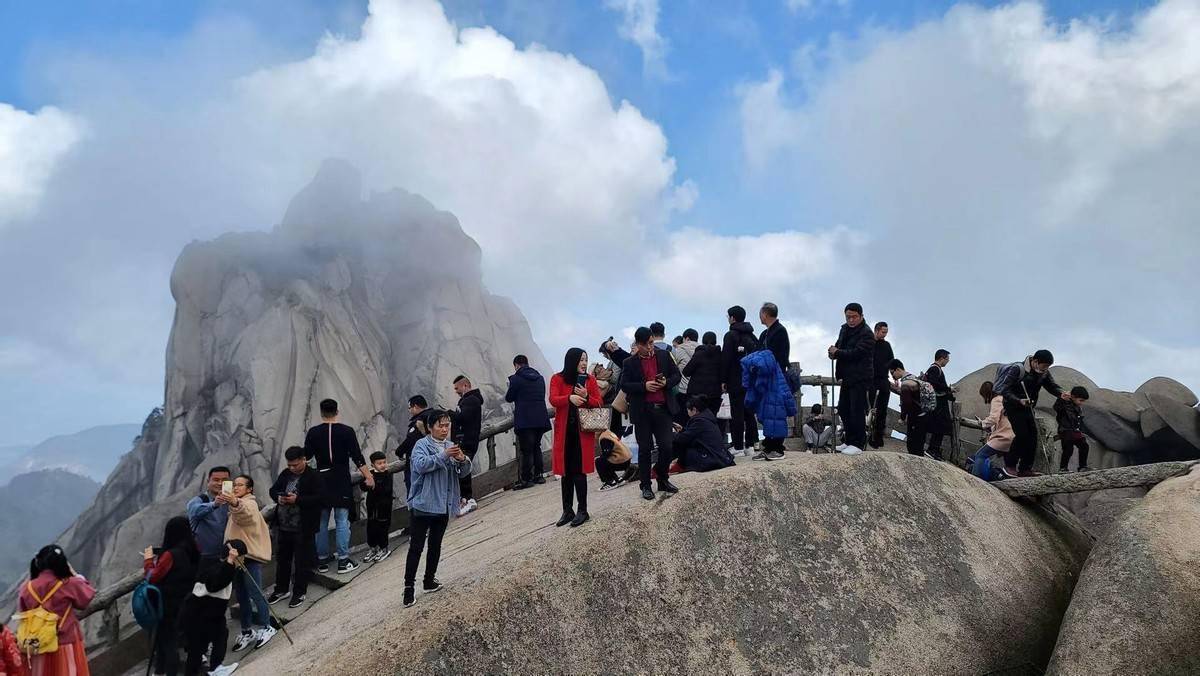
x,y
691,404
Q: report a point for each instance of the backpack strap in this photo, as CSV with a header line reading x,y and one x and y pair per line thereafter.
x,y
43,599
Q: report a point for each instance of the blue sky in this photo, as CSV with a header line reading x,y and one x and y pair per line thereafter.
x,y
880,151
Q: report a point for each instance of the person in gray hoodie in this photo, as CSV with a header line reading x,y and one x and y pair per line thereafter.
x,y
437,466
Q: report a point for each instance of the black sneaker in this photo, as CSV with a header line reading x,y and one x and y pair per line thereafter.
x,y
539,479
276,597
667,487
431,586
346,565
522,485
775,455
296,601
323,566
762,455
410,596
579,519
647,494
565,518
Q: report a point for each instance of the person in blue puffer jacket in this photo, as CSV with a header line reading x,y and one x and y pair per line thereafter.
x,y
768,394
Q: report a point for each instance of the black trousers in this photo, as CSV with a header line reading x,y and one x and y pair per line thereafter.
x,y
880,395
464,484
166,644
576,485
652,426
529,448
772,444
379,524
607,470
915,437
424,526
743,426
296,551
1024,446
852,407
1069,443
199,638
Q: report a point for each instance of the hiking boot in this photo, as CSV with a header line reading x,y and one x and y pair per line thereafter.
x,y
667,487
296,601
410,596
566,518
276,597
323,566
346,566
244,640
647,494
431,586
264,636
579,519
384,552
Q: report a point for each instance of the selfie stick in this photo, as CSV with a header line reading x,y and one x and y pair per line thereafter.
x,y
242,567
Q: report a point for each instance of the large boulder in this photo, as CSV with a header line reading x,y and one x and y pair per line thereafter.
x,y
1113,419
1137,604
881,563
1170,389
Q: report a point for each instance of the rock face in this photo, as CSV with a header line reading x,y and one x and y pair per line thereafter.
x,y
1136,606
365,301
882,563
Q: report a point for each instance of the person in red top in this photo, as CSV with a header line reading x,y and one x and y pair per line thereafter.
x,y
646,378
57,588
173,570
11,662
574,454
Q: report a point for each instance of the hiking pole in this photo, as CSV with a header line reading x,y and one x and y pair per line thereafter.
x,y
271,611
836,413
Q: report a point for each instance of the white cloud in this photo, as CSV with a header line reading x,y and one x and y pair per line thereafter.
x,y
31,144
768,125
639,25
810,7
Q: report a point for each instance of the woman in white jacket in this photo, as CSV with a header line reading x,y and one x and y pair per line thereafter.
x,y
998,437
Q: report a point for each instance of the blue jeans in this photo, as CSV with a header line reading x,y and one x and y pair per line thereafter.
x,y
981,464
341,520
247,593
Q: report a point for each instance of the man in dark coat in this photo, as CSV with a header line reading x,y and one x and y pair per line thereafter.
x,y
739,342
854,352
647,378
940,423
335,446
1019,384
775,339
297,492
468,421
527,391
418,426
881,391
700,446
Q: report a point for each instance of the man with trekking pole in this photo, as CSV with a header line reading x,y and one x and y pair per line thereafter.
x,y
853,354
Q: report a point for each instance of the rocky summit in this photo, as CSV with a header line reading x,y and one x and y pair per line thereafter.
x,y
367,301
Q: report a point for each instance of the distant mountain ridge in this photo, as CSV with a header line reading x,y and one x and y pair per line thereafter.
x,y
93,452
35,508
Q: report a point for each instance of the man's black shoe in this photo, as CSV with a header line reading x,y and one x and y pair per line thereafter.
x,y
410,596
647,494
522,485
567,517
667,487
579,519
539,479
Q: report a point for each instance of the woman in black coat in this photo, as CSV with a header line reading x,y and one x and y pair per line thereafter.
x,y
704,373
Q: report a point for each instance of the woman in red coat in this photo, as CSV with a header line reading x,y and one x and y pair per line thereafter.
x,y
574,449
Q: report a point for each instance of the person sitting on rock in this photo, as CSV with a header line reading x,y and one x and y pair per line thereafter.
x,y
1070,423
699,445
998,437
437,465
614,456
818,433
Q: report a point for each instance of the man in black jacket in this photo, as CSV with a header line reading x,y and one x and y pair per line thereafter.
x,y
468,421
418,427
1019,384
700,446
940,423
297,494
335,446
739,341
775,339
647,378
881,391
527,390
854,352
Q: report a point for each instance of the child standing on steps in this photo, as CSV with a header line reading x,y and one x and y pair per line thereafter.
x,y
1070,428
379,509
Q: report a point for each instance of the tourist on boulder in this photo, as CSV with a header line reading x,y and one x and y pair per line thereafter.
x,y
379,509
908,387
527,392
438,463
854,352
468,423
574,454
768,395
614,456
418,427
1020,383
880,392
775,338
203,617
739,341
817,431
55,587
647,378
335,445
299,499
699,446
683,352
207,515
246,523
173,570
998,436
704,375
939,424
1070,423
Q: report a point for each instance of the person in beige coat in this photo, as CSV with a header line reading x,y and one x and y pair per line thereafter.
x,y
246,523
998,437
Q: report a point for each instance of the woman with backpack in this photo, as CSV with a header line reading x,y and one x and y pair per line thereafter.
x,y
246,523
173,570
47,627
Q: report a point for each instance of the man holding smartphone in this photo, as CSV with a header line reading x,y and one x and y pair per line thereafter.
x,y
208,513
647,379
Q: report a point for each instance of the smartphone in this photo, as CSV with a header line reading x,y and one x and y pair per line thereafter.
x,y
660,378
227,487
581,379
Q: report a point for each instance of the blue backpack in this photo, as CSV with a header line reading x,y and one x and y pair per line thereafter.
x,y
147,604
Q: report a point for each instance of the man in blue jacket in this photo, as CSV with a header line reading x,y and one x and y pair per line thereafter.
x,y
527,390
208,513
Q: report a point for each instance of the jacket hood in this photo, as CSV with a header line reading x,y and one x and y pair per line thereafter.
x,y
707,348
526,373
742,327
473,394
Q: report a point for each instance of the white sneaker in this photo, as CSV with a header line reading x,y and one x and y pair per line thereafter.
x,y
467,507
264,635
244,640
223,670
738,452
850,450
841,447
370,555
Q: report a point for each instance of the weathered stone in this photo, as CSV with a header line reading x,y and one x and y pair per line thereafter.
x,y
1169,389
1136,606
1182,420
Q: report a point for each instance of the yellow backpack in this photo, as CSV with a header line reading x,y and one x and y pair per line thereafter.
x,y
37,628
